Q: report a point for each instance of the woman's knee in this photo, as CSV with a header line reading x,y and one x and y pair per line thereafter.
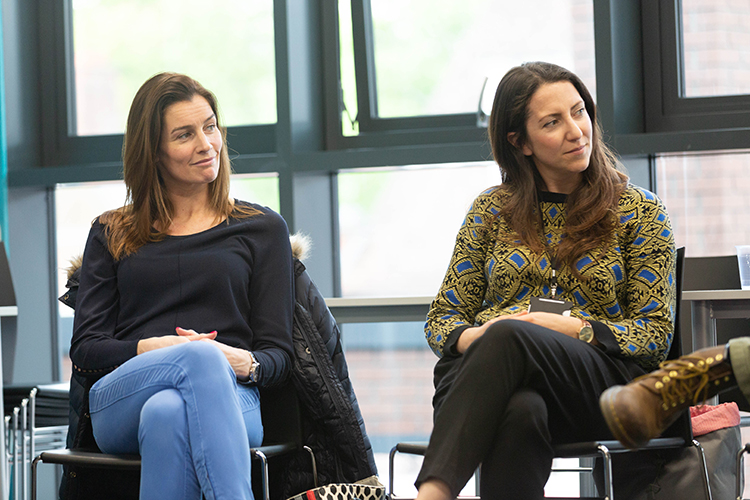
x,y
525,423
163,414
526,409
499,337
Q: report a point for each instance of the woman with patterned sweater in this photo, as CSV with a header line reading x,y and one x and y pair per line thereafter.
x,y
565,232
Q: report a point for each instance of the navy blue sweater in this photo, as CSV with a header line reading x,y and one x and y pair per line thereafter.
x,y
235,278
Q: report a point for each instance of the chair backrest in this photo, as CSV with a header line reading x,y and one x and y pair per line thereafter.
x,y
681,427
675,350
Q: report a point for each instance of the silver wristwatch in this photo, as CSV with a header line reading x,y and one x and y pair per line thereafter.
x,y
254,368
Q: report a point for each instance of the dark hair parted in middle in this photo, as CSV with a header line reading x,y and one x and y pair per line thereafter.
x,y
591,208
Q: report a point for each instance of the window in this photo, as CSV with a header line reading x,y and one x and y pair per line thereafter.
x,y
432,61
398,226
716,47
228,46
417,67
707,196
694,54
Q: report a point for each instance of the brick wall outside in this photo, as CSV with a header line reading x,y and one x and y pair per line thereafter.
x,y
708,199
394,390
717,47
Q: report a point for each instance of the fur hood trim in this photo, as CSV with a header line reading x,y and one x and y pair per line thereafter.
x,y
301,245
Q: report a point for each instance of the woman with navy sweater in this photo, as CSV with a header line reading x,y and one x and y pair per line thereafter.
x,y
185,304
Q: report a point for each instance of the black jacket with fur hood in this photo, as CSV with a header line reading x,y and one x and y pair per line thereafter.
x,y
332,422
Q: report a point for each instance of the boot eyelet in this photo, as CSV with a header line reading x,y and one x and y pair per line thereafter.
x,y
719,357
665,379
658,385
726,379
709,360
673,374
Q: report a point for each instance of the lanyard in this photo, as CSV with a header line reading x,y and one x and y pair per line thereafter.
x,y
553,284
553,279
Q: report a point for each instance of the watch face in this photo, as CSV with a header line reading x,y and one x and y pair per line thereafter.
x,y
586,334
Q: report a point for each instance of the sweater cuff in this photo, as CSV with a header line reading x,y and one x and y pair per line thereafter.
x,y
450,346
605,337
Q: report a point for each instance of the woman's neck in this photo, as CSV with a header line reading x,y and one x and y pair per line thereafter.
x,y
564,184
191,214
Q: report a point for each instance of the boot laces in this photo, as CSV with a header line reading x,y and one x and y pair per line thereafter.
x,y
679,379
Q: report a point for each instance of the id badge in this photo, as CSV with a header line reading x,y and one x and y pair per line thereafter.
x,y
550,305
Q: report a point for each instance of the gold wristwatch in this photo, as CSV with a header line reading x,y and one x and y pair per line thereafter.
x,y
586,333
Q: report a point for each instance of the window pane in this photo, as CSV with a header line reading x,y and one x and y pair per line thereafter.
x,y
716,44
262,189
226,45
77,205
707,197
398,227
432,60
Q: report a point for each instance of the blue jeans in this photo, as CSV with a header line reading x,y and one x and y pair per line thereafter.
x,y
181,408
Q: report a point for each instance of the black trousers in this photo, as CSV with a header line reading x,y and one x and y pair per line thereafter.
x,y
517,391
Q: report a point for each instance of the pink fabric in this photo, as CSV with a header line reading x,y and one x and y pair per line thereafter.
x,y
705,419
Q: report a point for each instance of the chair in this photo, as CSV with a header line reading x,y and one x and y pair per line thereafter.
x,y
282,425
38,421
679,435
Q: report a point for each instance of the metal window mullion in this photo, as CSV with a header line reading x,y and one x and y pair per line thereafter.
x,y
335,234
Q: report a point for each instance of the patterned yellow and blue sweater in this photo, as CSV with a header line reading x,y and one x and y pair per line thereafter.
x,y
629,290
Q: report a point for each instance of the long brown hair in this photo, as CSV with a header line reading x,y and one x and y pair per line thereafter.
x,y
147,205
591,209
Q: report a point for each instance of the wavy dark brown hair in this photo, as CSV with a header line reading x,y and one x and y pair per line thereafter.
x,y
148,206
591,209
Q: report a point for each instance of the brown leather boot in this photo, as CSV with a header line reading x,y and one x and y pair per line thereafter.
x,y
645,407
